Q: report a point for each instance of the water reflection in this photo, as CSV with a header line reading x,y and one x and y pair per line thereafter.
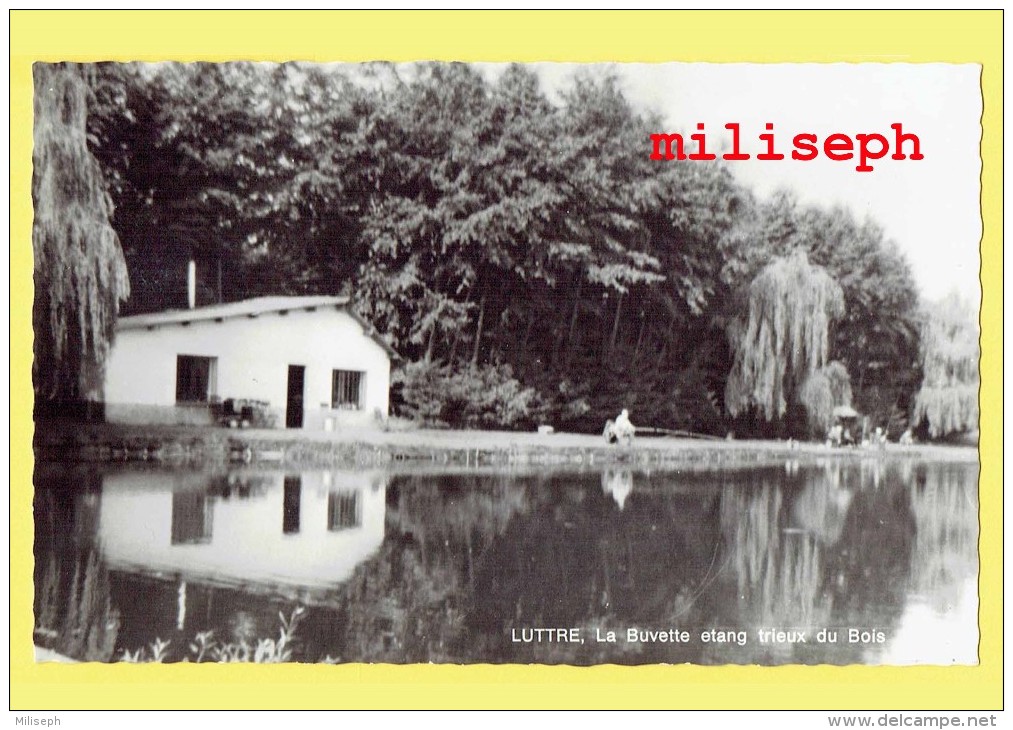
x,y
278,530
73,606
870,561
617,483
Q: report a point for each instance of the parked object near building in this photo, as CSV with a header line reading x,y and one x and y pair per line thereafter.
x,y
305,362
243,413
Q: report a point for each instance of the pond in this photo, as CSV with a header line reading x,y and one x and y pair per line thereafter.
x,y
836,560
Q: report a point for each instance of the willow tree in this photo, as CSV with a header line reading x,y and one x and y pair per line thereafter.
x,y
822,391
783,339
80,273
948,399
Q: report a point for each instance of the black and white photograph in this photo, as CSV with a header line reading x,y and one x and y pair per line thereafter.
x,y
483,363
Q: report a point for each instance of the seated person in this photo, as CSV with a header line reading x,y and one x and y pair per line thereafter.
x,y
623,428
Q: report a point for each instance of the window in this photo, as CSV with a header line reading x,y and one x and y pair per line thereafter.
x,y
196,378
343,510
191,518
346,390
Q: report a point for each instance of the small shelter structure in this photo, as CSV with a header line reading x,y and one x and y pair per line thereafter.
x,y
845,427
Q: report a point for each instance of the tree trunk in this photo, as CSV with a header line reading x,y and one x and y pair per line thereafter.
x,y
568,344
431,344
527,334
663,350
615,324
457,331
453,347
478,331
640,337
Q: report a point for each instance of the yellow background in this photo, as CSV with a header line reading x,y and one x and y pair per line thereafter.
x,y
724,36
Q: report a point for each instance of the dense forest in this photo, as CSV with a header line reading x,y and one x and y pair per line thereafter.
x,y
518,249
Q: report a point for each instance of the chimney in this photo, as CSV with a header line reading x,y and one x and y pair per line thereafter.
x,y
191,284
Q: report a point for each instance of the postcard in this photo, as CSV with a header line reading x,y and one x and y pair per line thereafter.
x,y
621,363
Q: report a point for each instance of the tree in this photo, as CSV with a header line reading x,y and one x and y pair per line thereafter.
x,y
948,399
80,274
822,391
232,165
784,339
877,337
480,222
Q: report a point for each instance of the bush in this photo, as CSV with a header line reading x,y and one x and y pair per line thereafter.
x,y
487,396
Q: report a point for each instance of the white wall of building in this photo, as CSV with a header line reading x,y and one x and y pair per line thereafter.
x,y
253,356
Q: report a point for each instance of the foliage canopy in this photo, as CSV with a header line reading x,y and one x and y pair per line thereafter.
x,y
497,233
784,339
948,398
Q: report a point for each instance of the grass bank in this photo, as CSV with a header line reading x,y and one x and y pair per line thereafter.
x,y
370,448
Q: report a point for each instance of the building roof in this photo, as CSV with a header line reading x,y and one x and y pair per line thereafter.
x,y
251,308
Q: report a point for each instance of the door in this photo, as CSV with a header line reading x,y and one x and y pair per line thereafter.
x,y
294,407
291,502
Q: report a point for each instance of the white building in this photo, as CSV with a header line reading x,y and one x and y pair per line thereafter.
x,y
310,359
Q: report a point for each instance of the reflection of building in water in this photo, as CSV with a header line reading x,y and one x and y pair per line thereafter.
x,y
306,531
292,501
618,483
344,510
192,516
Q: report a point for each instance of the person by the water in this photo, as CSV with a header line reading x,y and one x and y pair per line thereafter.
x,y
623,427
620,430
